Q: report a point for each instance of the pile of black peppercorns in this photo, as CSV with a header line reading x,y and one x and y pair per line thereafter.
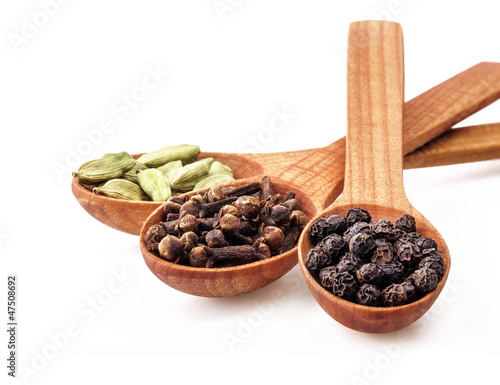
x,y
373,263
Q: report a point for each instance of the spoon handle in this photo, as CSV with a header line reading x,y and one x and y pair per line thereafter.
x,y
460,145
375,99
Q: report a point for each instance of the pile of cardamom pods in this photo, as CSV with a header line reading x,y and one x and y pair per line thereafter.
x,y
155,176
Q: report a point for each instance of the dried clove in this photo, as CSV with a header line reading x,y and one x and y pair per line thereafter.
x,y
267,190
170,248
211,208
237,221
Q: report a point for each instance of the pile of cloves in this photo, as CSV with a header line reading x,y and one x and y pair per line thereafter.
x,y
227,226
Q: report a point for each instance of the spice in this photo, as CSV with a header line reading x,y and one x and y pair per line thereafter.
x,y
394,295
373,263
370,273
368,295
110,166
155,184
184,152
175,163
344,285
121,189
227,226
356,214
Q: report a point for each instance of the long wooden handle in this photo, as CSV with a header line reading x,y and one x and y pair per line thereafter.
x,y
459,145
375,99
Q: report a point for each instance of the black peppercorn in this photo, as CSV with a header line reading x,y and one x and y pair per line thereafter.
x,y
408,252
370,273
326,276
406,223
434,263
383,253
333,245
317,258
432,253
344,285
357,214
380,256
349,262
361,244
425,279
319,230
411,291
426,243
368,295
394,295
383,228
358,227
393,273
336,223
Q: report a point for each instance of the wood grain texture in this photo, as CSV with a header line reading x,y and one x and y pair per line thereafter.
x,y
460,145
374,172
375,98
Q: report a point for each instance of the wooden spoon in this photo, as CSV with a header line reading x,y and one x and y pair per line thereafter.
x,y
425,117
374,168
317,179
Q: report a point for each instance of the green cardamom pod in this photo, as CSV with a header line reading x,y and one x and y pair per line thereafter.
x,y
155,184
185,178
121,189
110,166
183,152
167,167
213,180
131,175
208,161
219,168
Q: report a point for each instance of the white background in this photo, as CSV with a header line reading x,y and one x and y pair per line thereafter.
x,y
227,70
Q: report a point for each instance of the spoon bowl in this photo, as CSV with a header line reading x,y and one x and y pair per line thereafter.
x,y
226,281
366,318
